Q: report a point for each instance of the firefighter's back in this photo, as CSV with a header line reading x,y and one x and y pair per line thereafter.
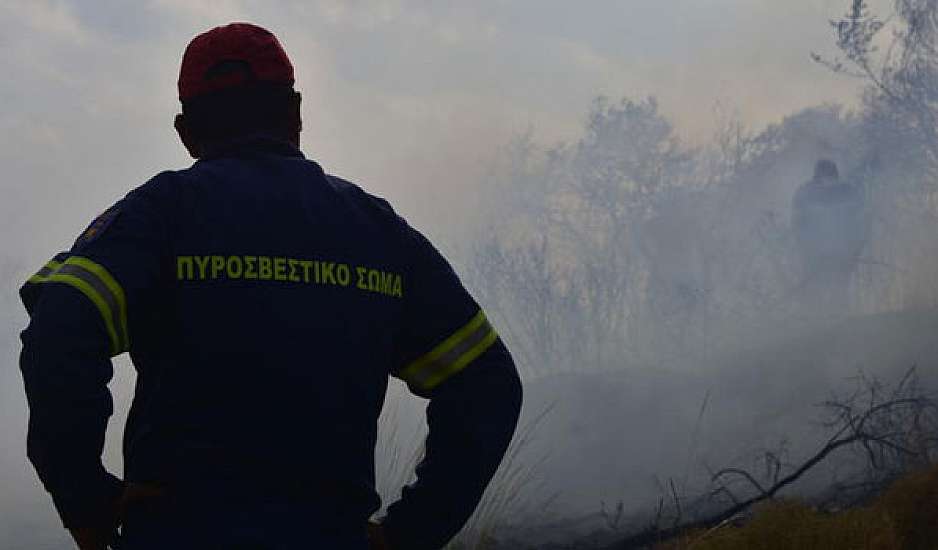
x,y
264,305
272,351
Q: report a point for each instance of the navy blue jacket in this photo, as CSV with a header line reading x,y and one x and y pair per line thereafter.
x,y
264,305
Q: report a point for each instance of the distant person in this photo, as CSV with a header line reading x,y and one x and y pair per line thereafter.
x,y
264,304
828,220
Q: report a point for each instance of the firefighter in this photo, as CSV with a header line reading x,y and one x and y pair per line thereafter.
x,y
264,303
828,220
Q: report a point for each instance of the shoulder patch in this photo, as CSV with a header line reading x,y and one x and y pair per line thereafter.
x,y
99,226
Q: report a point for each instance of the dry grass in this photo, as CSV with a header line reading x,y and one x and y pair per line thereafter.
x,y
905,517
504,497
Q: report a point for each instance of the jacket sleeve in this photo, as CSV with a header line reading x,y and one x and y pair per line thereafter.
x,y
78,305
449,353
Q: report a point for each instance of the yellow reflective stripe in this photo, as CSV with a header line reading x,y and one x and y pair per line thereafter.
x,y
462,362
98,301
451,355
97,284
112,285
43,273
444,347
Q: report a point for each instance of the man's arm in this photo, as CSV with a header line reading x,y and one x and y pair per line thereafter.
x,y
78,305
66,366
448,352
472,418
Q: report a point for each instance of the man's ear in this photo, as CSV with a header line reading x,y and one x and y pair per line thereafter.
x,y
296,117
188,140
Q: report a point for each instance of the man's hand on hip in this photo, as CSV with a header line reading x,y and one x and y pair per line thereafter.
x,y
102,537
94,538
376,538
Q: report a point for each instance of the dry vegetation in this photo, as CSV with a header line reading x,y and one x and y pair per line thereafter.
x,y
877,434
628,247
905,517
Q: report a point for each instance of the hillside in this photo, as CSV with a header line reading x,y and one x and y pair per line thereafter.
x,y
621,436
903,518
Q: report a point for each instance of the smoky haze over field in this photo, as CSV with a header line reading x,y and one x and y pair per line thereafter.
x,y
635,251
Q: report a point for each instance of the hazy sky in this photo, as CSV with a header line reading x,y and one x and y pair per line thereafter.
x,y
409,98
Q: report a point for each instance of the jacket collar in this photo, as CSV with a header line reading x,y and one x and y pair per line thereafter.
x,y
247,145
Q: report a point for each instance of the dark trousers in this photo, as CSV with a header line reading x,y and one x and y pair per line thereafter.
x,y
240,522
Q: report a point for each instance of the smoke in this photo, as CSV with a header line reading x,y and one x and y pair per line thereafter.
x,y
658,294
627,306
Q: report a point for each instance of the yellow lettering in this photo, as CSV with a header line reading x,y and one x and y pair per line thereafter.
x,y
218,265
307,265
327,275
249,263
288,269
183,267
361,271
202,263
264,271
343,274
280,269
234,267
386,279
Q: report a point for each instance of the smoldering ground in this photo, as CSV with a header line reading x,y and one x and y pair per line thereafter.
x,y
637,256
656,300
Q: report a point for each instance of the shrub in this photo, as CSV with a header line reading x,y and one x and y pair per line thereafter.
x,y
912,502
905,517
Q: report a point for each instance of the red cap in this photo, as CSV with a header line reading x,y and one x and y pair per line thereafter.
x,y
228,56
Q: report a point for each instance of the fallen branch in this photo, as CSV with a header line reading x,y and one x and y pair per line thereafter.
x,y
877,422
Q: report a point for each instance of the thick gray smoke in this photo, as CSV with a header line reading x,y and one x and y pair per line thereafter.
x,y
638,255
676,309
666,317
